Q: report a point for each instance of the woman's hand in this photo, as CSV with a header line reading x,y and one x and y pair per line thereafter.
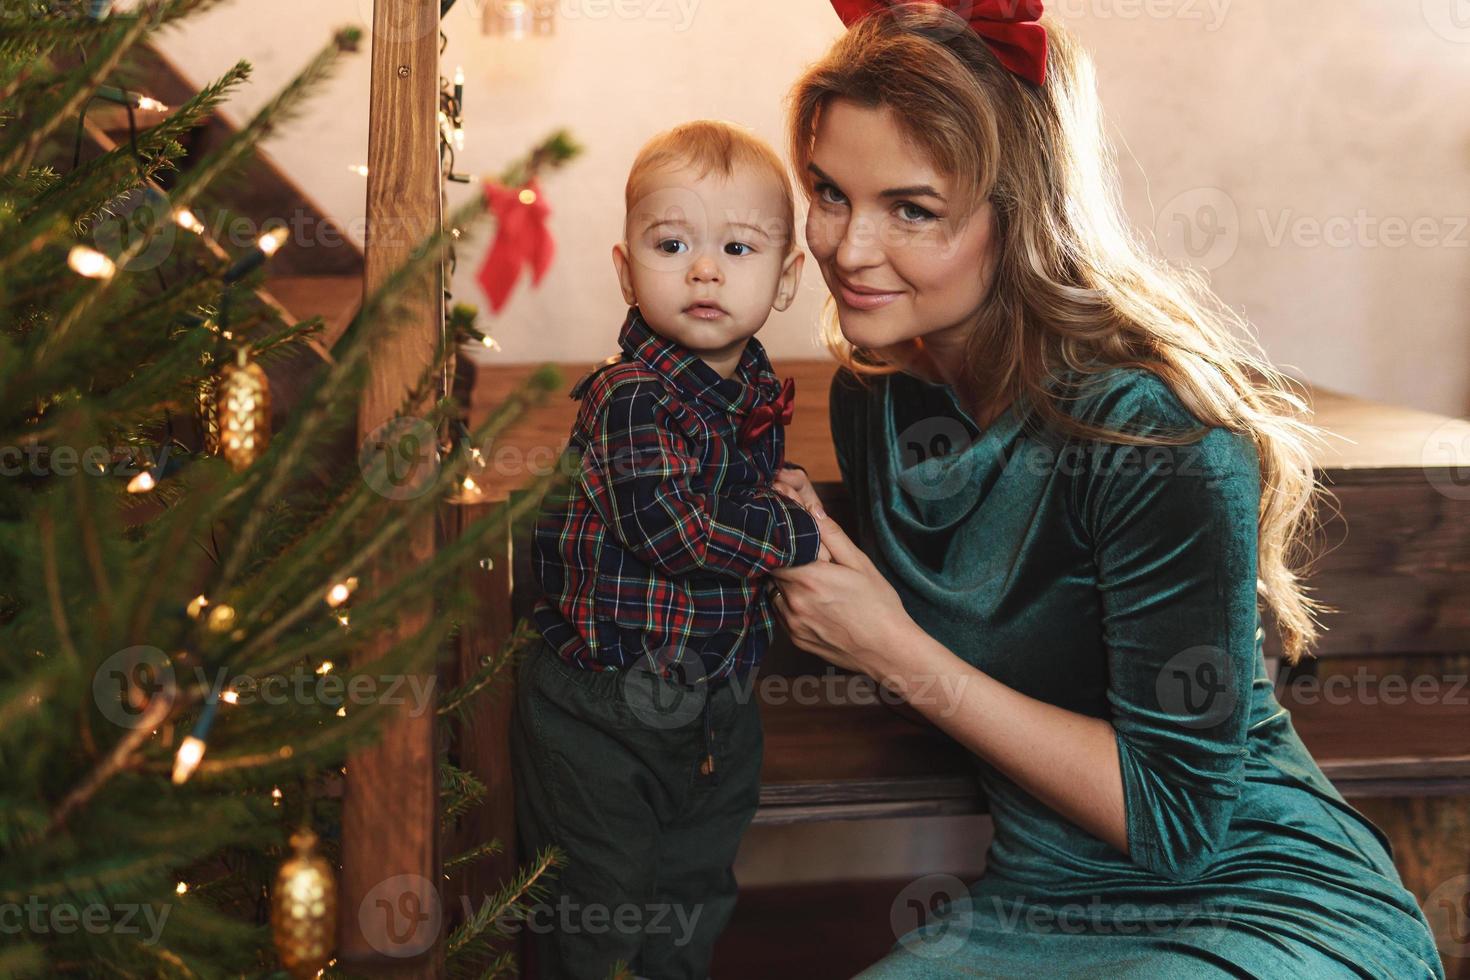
x,y
843,610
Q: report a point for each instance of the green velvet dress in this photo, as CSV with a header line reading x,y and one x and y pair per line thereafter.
x,y
1119,584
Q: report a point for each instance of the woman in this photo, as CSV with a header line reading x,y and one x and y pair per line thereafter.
x,y
1086,608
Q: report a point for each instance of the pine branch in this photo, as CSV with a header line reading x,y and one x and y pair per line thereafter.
x,y
17,154
460,792
381,310
472,940
487,849
103,177
285,105
490,669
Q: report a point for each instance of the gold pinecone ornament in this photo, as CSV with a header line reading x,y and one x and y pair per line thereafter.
x,y
208,411
244,412
304,909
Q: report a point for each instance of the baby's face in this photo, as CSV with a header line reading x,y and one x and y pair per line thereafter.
x,y
705,260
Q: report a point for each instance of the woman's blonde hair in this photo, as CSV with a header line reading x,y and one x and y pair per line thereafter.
x,y
1074,289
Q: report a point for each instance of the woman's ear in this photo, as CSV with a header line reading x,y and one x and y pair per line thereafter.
x,y
790,279
624,268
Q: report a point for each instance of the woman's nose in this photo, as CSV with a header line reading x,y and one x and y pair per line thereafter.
x,y
858,247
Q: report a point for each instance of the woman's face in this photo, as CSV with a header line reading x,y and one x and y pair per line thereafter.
x,y
885,229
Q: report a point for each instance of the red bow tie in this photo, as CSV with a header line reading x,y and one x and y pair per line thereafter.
x,y
1008,27
765,415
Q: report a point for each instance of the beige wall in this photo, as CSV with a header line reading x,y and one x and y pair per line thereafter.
x,y
1317,151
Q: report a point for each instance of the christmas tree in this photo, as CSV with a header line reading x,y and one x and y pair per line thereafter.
x,y
184,593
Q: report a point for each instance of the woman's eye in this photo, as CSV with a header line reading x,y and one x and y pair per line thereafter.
x,y
914,213
735,245
678,246
823,189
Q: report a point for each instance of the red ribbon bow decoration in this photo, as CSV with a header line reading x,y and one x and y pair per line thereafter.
x,y
1009,27
521,238
765,415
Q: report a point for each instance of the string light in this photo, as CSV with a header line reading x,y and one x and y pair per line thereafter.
x,y
196,606
89,262
142,483
191,750
341,592
272,240
187,220
221,618
181,888
325,667
111,93
265,246
276,795
358,168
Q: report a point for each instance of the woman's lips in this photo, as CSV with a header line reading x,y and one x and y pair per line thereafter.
x,y
864,300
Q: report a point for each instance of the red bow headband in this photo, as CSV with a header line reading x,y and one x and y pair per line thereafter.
x,y
1008,27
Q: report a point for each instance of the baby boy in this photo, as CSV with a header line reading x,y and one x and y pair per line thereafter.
x,y
637,751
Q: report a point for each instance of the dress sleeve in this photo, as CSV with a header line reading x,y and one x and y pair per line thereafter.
x,y
1174,538
642,479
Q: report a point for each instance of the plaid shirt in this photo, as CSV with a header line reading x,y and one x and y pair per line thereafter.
x,y
662,542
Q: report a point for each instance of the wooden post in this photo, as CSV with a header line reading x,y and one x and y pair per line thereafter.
x,y
482,741
391,916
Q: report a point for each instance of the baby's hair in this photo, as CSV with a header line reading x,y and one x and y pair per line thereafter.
x,y
710,145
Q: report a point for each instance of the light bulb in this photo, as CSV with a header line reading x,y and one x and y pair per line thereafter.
x,y
90,263
187,220
191,750
272,240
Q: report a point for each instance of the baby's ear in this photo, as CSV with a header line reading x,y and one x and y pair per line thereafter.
x,y
790,280
624,267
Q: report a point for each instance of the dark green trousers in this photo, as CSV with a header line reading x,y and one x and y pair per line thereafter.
x,y
611,768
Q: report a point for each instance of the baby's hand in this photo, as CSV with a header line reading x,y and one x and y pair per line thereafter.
x,y
793,484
